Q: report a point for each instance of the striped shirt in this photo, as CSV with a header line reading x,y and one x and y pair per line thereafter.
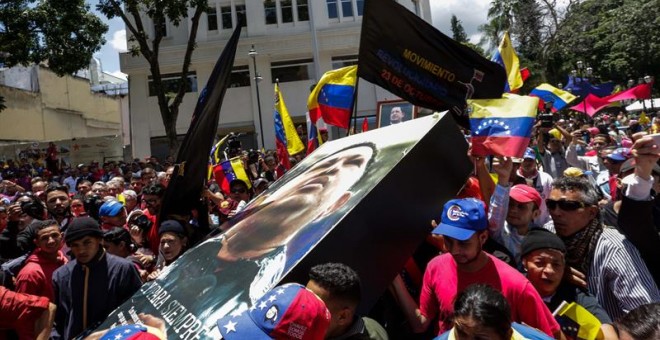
x,y
618,276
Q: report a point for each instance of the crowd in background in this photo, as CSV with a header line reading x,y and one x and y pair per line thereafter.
x,y
576,219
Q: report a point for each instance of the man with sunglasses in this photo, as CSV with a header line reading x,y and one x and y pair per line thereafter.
x,y
614,270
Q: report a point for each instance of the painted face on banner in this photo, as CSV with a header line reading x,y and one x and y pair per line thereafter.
x,y
320,190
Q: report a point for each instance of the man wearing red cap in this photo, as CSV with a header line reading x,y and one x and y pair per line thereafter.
x,y
512,210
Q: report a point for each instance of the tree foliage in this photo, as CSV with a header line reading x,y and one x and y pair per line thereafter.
x,y
138,15
618,39
457,30
62,33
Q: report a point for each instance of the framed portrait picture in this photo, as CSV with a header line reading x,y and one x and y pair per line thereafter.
x,y
394,112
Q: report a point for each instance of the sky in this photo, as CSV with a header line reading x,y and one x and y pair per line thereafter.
x,y
471,13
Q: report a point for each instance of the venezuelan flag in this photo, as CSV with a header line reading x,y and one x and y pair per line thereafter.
x,y
333,97
507,57
286,137
503,126
548,93
313,137
578,323
227,171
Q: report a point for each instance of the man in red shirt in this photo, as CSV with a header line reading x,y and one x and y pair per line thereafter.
x,y
36,278
464,227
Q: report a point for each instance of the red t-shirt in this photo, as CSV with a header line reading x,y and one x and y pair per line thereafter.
x,y
20,311
36,278
442,282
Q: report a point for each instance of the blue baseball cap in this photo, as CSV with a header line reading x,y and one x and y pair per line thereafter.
x,y
529,154
110,208
619,155
461,218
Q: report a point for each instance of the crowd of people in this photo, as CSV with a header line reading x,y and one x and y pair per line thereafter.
x,y
576,219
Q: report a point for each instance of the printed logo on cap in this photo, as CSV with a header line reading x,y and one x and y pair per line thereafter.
x,y
454,213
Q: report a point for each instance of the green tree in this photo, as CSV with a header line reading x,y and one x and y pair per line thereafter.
x,y
500,19
136,14
527,28
62,33
457,30
618,39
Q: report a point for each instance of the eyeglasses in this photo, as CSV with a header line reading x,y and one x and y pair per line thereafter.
x,y
565,205
238,191
151,201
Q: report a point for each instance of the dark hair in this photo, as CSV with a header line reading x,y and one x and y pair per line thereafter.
x,y
155,189
41,225
642,322
340,280
486,306
54,186
579,184
117,235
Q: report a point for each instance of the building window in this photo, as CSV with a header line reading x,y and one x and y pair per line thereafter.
x,y
161,27
287,10
293,70
303,10
240,14
225,16
270,8
240,76
212,19
171,83
360,6
344,8
343,61
333,13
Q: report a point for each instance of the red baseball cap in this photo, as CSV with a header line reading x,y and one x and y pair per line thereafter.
x,y
523,193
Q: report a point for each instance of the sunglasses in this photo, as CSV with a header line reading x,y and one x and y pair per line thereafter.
x,y
238,191
565,205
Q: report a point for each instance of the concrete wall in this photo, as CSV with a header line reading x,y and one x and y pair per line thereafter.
x,y
65,108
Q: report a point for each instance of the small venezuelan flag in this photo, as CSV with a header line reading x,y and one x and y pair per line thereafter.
x,y
333,97
502,127
286,137
550,94
227,171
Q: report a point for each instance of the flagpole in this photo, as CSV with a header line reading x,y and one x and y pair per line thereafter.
x,y
353,117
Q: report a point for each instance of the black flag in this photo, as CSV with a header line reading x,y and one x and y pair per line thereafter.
x,y
405,55
191,169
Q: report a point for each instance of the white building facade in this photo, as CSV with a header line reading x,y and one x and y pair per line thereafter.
x,y
296,42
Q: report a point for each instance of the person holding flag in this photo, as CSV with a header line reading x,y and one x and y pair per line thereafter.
x,y
286,138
